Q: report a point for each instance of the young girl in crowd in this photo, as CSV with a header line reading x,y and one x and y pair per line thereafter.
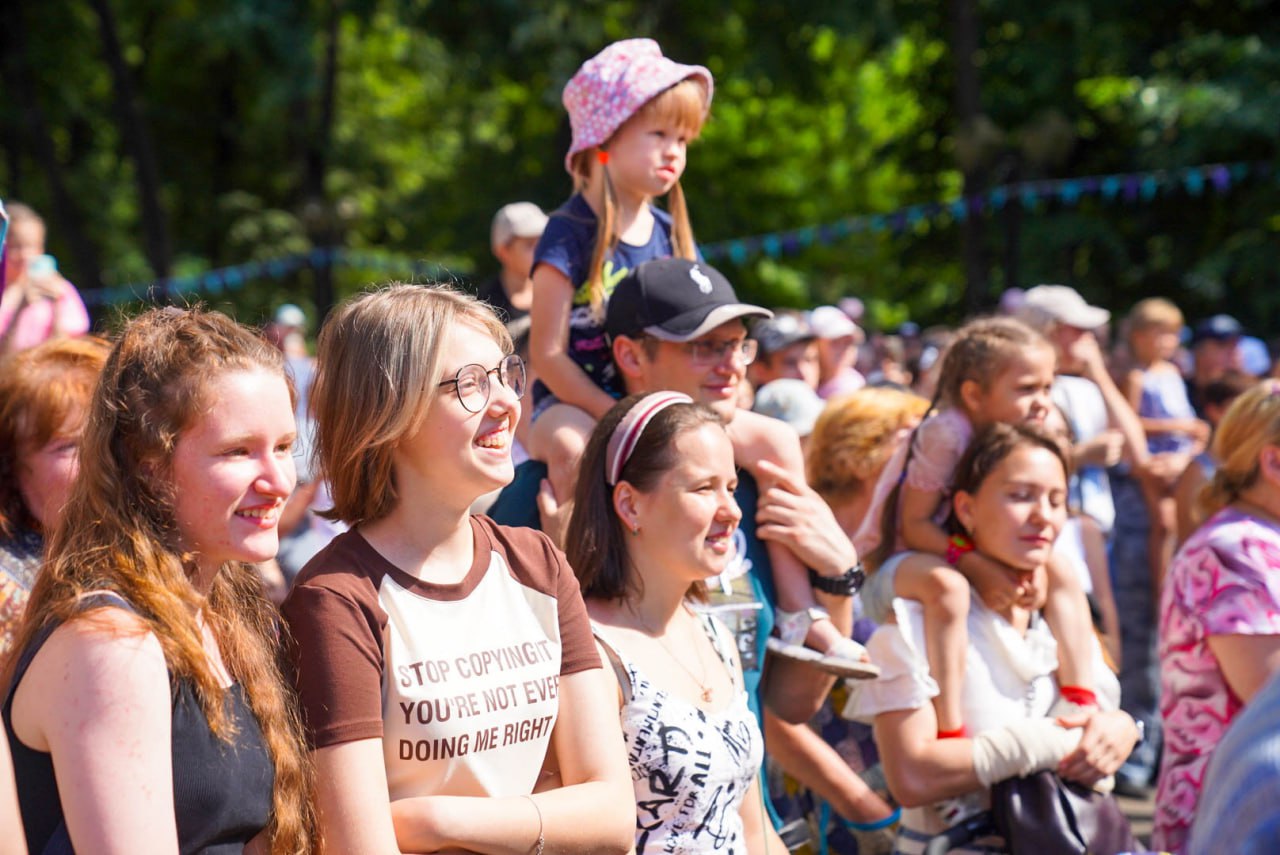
x,y
441,657
633,113
655,520
996,371
145,710
1158,394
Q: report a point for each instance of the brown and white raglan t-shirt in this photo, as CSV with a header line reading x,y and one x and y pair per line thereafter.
x,y
460,682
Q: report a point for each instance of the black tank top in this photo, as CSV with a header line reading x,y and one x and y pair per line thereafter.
x,y
221,790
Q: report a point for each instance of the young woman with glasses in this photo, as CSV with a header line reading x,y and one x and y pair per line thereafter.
x,y
441,657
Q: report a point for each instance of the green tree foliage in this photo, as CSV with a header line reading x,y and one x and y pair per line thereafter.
x,y
442,112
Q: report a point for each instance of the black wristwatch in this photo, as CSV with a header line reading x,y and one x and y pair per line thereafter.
x,y
845,585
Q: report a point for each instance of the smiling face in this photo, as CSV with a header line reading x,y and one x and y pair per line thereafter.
x,y
463,454
1018,393
233,469
668,366
1017,512
686,522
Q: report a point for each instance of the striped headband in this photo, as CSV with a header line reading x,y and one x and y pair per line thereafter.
x,y
627,434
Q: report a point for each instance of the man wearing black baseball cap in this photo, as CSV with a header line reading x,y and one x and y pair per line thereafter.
x,y
677,325
675,300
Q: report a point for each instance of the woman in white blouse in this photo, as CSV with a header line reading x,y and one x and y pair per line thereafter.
x,y
1010,495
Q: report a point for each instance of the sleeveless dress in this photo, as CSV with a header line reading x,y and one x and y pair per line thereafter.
x,y
690,768
221,791
1164,396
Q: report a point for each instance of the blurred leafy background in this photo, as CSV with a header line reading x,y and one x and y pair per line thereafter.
x,y
163,138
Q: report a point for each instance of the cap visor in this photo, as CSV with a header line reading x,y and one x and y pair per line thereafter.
x,y
674,329
1086,317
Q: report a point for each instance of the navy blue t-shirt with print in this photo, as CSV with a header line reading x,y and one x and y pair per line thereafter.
x,y
567,244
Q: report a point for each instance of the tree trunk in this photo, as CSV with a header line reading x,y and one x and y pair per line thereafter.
x,y
964,44
34,128
322,219
137,140
1013,228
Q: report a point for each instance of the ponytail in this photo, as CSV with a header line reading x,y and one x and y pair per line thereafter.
x,y
606,242
883,550
1251,423
682,243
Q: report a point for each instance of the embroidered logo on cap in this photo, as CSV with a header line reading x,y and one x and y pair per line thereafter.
x,y
703,280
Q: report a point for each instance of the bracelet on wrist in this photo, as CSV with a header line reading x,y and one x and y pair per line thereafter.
x,y
958,546
844,585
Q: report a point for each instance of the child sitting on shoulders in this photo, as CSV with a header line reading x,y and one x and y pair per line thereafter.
x,y
996,370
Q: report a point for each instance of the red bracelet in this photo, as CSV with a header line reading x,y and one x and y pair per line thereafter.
x,y
1079,695
958,546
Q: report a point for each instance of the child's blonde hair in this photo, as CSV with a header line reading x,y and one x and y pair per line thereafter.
x,y
1154,312
684,104
980,351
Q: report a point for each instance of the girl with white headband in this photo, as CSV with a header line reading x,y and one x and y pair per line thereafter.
x,y
654,519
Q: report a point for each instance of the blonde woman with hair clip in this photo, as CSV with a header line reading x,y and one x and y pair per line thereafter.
x,y
1220,609
440,657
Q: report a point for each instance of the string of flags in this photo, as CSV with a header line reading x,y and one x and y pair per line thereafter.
x,y
1129,188
223,279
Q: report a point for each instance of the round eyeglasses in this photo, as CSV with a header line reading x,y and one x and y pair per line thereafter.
x,y
472,382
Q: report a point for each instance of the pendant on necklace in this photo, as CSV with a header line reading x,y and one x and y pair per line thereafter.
x,y
706,694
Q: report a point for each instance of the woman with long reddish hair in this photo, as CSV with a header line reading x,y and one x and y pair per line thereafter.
x,y
145,710
44,397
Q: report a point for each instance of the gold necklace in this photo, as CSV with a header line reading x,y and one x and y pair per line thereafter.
x,y
702,665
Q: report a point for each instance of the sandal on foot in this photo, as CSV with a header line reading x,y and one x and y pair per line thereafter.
x,y
848,658
839,666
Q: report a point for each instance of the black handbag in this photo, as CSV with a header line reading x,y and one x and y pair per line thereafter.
x,y
1045,815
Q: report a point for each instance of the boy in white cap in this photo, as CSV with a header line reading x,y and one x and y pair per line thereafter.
x,y
512,237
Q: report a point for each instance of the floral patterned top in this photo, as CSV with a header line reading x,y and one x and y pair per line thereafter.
x,y
19,561
1225,580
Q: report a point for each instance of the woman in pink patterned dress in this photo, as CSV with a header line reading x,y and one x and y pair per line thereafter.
x,y
1220,611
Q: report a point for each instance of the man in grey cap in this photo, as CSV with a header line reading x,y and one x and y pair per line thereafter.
x,y
788,348
513,237
1107,432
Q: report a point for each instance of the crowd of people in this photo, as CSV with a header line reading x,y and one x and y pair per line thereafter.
x,y
727,579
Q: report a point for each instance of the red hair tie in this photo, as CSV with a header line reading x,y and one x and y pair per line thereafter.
x,y
602,156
